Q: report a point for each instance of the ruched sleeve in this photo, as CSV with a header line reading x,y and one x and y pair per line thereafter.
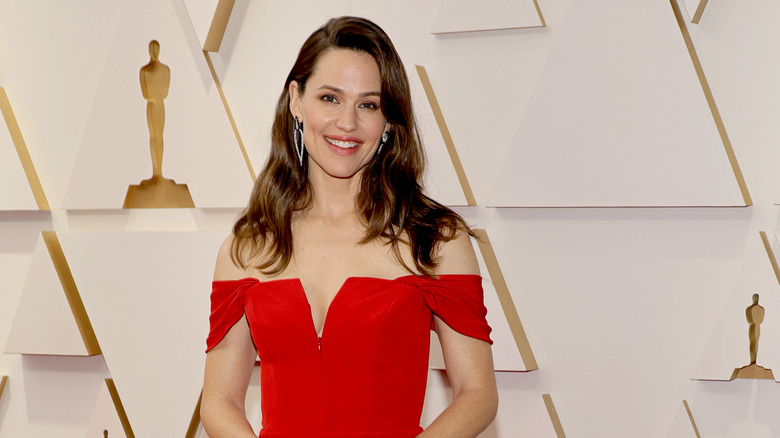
x,y
227,307
458,301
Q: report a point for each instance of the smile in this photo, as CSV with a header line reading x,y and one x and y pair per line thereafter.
x,y
342,144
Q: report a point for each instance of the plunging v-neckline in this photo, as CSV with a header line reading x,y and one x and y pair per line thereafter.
x,y
302,291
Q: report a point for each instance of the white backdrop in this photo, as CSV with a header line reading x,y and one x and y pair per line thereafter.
x,y
621,305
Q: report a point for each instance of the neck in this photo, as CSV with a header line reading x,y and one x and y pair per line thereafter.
x,y
334,198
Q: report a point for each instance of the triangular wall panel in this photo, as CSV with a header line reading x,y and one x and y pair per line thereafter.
x,y
49,314
470,16
620,117
150,298
728,346
20,188
200,148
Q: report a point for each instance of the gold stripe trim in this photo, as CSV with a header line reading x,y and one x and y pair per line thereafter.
x,y
699,11
3,380
21,150
230,115
556,421
218,25
505,298
445,133
120,409
71,292
770,252
539,11
711,102
690,417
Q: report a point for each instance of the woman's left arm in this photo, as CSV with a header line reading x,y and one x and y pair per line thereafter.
x,y
469,361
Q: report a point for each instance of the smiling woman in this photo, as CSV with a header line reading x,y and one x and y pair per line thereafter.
x,y
340,111
340,265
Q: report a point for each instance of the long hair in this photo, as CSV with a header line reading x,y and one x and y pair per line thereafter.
x,y
391,202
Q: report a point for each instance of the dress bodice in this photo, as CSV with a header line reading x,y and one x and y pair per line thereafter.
x,y
366,374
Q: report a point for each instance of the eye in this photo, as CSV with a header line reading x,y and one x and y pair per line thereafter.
x,y
329,98
369,105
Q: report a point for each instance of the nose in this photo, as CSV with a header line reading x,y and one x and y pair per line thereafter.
x,y
347,119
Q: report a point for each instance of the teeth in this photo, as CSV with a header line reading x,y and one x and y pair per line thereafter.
x,y
342,144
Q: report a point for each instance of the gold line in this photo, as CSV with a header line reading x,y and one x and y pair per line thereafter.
x,y
71,292
3,380
505,298
690,417
548,403
21,150
195,421
539,11
218,25
120,409
230,115
711,102
771,254
445,133
699,11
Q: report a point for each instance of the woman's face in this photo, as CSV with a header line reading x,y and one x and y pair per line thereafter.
x,y
340,111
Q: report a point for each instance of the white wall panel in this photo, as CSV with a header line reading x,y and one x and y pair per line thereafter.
x,y
43,322
150,314
618,118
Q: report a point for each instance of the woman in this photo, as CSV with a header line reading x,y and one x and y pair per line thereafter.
x,y
340,266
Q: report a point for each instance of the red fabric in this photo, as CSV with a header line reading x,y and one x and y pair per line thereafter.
x,y
366,375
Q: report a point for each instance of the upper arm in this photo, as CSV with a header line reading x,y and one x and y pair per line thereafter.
x,y
457,255
469,361
229,364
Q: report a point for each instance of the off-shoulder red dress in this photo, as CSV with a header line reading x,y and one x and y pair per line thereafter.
x,y
365,375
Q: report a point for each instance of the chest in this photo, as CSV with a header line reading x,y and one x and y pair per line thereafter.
x,y
365,314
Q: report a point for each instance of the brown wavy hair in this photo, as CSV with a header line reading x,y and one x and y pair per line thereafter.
x,y
391,201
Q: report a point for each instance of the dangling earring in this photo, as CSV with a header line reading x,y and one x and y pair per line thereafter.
x,y
298,139
382,142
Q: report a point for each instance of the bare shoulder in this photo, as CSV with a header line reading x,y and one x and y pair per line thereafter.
x,y
226,268
457,255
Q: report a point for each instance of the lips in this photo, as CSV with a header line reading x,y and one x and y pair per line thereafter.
x,y
343,144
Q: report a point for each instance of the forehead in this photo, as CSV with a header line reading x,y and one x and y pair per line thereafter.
x,y
346,69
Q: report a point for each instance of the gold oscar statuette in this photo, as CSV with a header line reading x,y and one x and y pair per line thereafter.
x,y
157,191
755,316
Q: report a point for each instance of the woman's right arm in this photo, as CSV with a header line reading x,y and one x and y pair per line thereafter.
x,y
228,370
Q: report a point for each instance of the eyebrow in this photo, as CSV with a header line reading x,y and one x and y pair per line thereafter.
x,y
340,91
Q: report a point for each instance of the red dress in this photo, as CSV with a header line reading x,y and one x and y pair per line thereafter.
x,y
365,375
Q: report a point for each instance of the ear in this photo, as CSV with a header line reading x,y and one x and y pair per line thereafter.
x,y
295,99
